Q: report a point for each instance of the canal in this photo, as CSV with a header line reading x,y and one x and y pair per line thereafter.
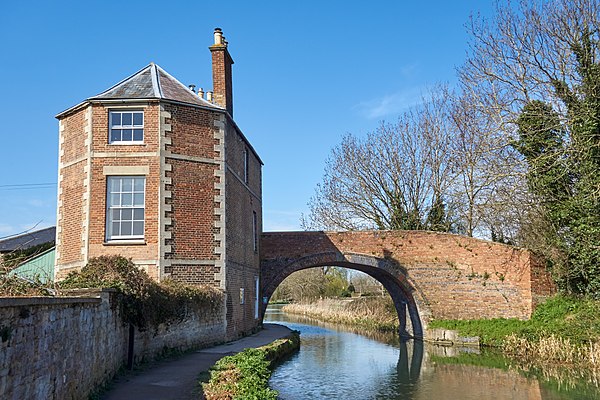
x,y
336,363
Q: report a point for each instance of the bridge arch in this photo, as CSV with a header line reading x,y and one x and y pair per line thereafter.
x,y
390,274
435,275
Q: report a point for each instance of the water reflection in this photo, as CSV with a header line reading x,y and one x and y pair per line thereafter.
x,y
334,363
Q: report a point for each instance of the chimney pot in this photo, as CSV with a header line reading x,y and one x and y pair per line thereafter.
x,y
192,88
201,92
218,36
209,96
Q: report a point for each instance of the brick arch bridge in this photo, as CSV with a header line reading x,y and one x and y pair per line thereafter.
x,y
428,274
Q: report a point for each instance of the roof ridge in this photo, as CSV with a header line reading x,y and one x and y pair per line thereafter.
x,y
155,81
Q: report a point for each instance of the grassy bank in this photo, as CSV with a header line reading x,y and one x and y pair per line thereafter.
x,y
372,313
563,331
245,376
569,318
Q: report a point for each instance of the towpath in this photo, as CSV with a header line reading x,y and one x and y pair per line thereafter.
x,y
178,379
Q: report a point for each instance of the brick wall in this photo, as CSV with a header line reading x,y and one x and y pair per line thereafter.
x,y
192,200
193,159
85,155
63,348
449,276
72,160
242,198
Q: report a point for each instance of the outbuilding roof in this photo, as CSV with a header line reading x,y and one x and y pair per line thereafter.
x,y
149,83
27,240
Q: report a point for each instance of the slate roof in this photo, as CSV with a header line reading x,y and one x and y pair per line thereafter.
x,y
151,82
28,240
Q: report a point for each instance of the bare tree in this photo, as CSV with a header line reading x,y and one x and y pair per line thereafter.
x,y
396,177
487,169
529,52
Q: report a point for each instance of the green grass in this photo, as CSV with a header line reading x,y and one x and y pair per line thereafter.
x,y
245,376
242,376
574,318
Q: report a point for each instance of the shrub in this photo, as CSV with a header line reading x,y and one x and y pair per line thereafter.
x,y
13,285
143,301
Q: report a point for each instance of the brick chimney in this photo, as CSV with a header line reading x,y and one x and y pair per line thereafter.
x,y
221,71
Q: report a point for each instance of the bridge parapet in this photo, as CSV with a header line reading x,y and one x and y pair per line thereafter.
x,y
447,276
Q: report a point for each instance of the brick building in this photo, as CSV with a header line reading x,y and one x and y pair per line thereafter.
x,y
151,170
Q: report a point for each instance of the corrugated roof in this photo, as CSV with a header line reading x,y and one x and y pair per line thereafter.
x,y
28,240
151,82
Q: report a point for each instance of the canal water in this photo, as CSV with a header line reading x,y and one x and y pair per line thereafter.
x,y
336,363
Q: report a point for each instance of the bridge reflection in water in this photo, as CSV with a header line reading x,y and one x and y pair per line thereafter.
x,y
334,363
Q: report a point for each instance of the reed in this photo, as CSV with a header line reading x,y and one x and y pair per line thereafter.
x,y
556,359
374,313
554,350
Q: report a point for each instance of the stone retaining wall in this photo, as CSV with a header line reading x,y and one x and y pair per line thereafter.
x,y
64,348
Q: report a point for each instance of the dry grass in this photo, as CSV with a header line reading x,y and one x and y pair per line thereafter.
x,y
556,358
554,349
368,312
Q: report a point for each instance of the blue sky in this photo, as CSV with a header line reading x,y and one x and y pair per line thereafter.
x,y
305,74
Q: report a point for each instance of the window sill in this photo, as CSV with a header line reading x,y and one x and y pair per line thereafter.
x,y
124,242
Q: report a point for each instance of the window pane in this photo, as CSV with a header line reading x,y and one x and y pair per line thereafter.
x,y
127,119
139,184
138,228
114,185
115,200
138,118
138,135
126,200
115,135
126,214
138,214
126,229
115,229
127,135
127,184
138,199
116,118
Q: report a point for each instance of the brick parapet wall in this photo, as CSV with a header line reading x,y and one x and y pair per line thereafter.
x,y
63,348
450,276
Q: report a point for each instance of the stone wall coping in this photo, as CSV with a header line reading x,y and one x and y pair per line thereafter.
x,y
41,301
92,292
